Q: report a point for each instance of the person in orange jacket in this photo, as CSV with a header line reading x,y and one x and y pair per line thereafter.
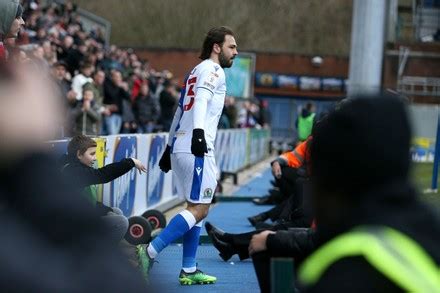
x,y
289,170
285,170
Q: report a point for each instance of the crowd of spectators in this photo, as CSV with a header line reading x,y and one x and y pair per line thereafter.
x,y
105,89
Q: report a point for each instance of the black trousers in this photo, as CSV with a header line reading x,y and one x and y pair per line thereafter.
x,y
291,207
261,261
240,242
303,242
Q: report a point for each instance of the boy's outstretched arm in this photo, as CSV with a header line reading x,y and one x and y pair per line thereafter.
x,y
109,172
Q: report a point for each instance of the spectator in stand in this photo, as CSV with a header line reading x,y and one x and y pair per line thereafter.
x,y
168,103
38,59
231,111
264,117
86,115
66,95
146,110
136,82
82,78
49,53
97,87
246,117
224,123
129,124
65,50
113,96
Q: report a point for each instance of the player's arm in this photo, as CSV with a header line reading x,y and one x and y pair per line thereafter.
x,y
198,141
205,87
165,160
172,130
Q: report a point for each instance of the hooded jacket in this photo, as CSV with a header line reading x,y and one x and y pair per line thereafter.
x,y
8,10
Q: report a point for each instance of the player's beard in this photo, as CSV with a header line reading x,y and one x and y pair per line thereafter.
x,y
224,61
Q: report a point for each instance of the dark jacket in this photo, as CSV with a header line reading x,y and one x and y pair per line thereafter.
x,y
395,205
167,106
113,94
145,109
297,243
52,241
86,122
82,176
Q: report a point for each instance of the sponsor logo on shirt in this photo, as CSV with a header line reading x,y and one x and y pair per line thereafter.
x,y
209,85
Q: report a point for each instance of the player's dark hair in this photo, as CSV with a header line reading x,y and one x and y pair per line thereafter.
x,y
80,143
215,36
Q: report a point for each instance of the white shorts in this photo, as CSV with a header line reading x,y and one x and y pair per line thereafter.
x,y
195,177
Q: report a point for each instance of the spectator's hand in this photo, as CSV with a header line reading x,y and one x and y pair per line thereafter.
x,y
86,105
258,242
276,170
198,143
165,161
138,164
71,96
113,108
104,111
124,85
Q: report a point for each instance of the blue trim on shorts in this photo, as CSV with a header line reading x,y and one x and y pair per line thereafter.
x,y
197,178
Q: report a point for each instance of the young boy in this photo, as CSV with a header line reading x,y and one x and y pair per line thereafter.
x,y
77,166
86,115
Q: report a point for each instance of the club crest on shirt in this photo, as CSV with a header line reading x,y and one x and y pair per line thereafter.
x,y
207,193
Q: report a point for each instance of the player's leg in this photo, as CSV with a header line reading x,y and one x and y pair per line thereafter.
x,y
182,164
200,197
189,274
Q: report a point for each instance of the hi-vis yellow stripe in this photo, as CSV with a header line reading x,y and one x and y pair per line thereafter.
x,y
398,257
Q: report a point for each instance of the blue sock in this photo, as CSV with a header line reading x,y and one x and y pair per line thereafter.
x,y
178,226
190,244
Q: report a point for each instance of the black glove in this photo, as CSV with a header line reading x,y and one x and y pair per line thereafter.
x,y
198,143
165,161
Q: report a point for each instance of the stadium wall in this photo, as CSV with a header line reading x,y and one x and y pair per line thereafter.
x,y
180,62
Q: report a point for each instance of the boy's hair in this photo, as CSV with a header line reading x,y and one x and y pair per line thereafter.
x,y
80,143
85,89
215,36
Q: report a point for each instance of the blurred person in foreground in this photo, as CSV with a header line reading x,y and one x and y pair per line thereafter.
x,y
374,234
52,240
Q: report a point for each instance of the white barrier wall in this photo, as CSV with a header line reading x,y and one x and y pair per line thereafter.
x,y
135,193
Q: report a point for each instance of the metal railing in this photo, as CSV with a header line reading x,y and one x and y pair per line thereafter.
x,y
419,86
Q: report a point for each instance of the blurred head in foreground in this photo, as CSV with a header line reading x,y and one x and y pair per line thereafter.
x,y
361,146
29,110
